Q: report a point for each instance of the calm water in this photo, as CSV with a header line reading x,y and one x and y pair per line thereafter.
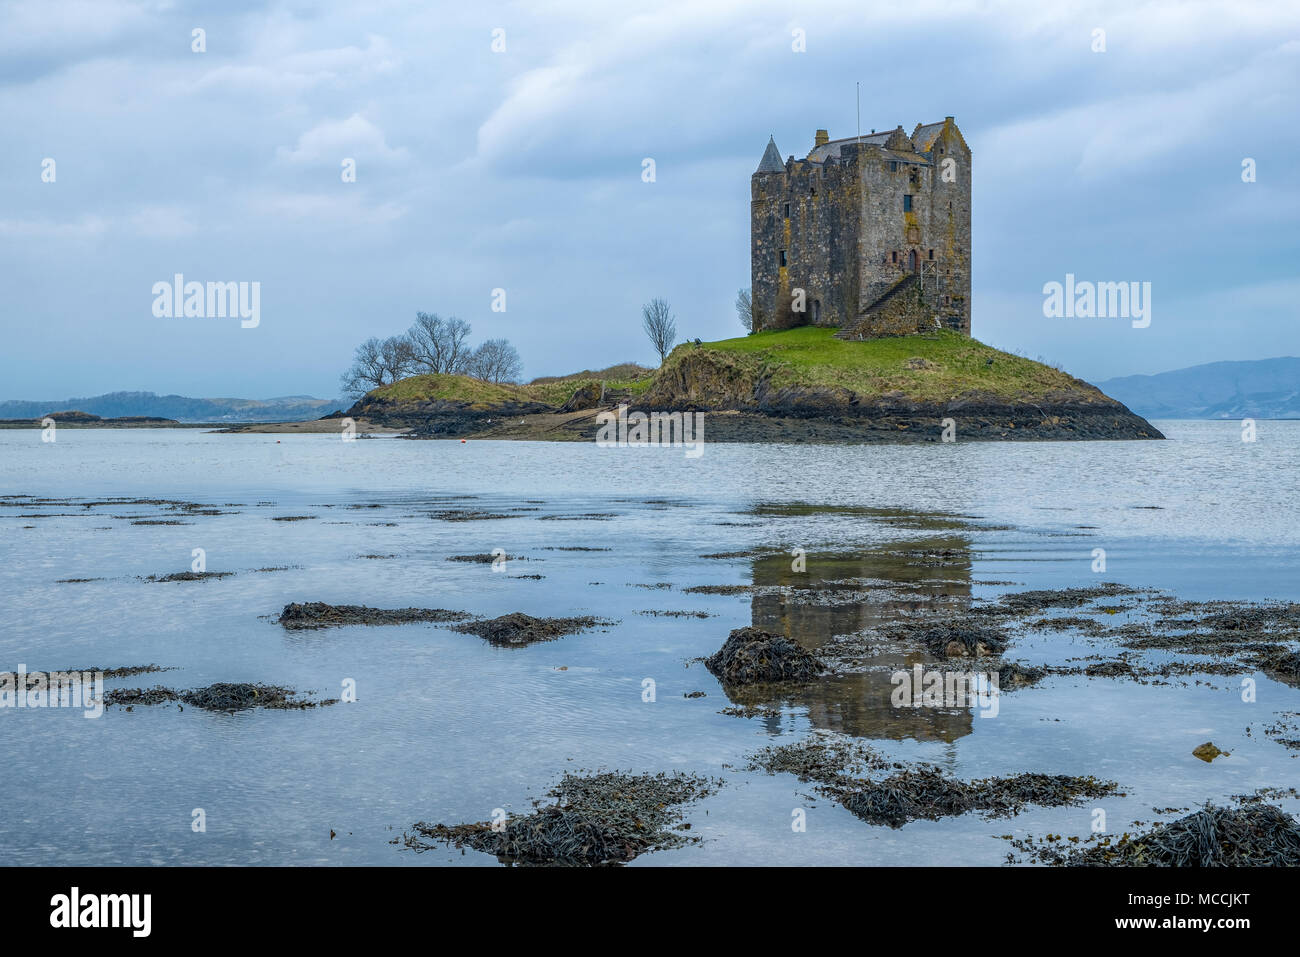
x,y
447,727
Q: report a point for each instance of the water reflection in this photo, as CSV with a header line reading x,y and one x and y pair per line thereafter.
x,y
843,594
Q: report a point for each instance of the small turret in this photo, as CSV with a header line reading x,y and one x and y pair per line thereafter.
x,y
771,161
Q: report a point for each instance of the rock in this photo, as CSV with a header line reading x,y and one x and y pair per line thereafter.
x,y
443,418
586,396
70,416
1014,675
1208,752
955,639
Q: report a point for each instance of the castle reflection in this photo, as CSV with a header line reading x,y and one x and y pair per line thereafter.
x,y
837,594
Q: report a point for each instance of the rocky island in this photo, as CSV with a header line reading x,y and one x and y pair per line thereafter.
x,y
76,419
792,385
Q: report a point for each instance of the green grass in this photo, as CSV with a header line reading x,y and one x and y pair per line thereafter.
x,y
953,364
460,388
622,372
558,392
476,392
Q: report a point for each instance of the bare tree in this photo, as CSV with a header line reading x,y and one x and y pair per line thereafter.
x,y
439,345
377,362
397,357
660,325
365,373
496,360
745,309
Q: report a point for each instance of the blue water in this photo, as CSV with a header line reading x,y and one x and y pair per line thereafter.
x,y
448,728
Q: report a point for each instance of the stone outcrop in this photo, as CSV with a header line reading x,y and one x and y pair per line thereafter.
x,y
444,418
713,381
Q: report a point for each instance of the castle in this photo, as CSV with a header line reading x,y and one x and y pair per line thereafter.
x,y
870,234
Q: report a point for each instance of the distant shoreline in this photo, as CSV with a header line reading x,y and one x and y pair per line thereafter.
x,y
579,427
123,423
288,427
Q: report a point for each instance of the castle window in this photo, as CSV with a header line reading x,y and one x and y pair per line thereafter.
x,y
931,255
907,204
783,262
787,210
893,166
893,257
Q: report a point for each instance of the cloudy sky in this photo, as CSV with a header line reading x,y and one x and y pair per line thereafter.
x,y
520,169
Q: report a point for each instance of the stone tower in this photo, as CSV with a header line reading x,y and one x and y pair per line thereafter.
x,y
870,234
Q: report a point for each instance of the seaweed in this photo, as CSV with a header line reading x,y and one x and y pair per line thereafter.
x,y
222,696
751,656
187,576
926,793
517,629
318,614
1254,835
602,819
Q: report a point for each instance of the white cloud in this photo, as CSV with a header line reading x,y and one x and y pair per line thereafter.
x,y
347,206
1134,130
271,69
87,227
150,222
329,142
161,222
49,27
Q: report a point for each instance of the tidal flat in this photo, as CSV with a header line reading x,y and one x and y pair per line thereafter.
x,y
521,632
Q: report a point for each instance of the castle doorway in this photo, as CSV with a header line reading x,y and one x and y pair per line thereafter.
x,y
912,261
817,311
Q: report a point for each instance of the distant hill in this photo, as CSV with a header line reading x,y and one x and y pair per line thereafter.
x,y
179,407
1259,389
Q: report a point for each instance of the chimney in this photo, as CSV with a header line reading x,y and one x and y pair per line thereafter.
x,y
822,139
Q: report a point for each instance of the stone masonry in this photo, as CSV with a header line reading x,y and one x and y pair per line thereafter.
x,y
869,234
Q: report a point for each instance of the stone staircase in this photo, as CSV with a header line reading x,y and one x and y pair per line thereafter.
x,y
889,301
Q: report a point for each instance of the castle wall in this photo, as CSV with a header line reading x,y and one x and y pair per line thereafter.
x,y
889,233
808,212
